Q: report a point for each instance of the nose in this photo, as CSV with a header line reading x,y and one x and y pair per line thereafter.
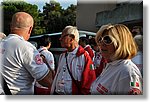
x,y
102,43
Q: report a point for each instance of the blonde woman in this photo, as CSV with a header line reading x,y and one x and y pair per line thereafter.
x,y
121,75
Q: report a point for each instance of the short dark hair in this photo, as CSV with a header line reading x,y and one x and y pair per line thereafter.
x,y
45,40
85,40
92,41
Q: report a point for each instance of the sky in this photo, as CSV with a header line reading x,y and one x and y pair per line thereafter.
x,y
41,3
64,3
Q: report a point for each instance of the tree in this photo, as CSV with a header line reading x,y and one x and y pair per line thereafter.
x,y
70,15
10,8
55,18
52,13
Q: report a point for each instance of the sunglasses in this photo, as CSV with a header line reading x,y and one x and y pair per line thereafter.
x,y
64,36
106,40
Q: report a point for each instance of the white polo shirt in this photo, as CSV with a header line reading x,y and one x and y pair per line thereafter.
x,y
21,64
76,66
49,57
138,60
1,89
118,77
50,60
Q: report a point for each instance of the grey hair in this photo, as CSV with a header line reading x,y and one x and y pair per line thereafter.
x,y
72,30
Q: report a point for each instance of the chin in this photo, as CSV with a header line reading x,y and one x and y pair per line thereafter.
x,y
106,56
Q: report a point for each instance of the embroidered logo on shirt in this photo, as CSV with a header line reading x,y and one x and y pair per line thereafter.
x,y
134,84
101,89
51,62
38,59
91,66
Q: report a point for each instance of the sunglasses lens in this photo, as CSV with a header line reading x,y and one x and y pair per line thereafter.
x,y
107,40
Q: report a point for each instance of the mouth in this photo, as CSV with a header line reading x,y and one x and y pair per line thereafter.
x,y
104,50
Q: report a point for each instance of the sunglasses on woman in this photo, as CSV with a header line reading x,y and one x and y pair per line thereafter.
x,y
106,39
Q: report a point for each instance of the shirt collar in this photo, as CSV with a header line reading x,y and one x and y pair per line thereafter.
x,y
15,35
87,46
116,62
42,48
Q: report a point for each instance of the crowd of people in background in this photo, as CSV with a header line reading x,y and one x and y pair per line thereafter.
x,y
111,63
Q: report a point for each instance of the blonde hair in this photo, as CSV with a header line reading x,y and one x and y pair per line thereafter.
x,y
72,30
125,46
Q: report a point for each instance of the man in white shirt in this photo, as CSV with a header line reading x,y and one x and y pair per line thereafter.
x,y
21,61
45,44
75,71
138,59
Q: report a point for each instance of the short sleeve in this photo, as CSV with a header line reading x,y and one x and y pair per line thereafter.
x,y
33,63
130,85
50,60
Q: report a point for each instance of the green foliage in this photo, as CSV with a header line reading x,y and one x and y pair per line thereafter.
x,y
53,18
56,18
9,8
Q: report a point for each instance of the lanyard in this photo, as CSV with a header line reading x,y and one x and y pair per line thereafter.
x,y
75,81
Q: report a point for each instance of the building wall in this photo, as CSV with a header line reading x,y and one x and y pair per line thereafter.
x,y
86,14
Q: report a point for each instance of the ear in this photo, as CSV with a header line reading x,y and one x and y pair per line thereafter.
x,y
30,30
72,39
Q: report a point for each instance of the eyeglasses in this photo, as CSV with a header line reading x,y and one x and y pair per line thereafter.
x,y
71,35
64,36
106,39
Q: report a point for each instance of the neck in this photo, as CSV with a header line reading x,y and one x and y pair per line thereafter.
x,y
47,47
83,45
19,32
71,48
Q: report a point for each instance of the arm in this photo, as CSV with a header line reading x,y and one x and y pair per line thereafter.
x,y
128,86
36,67
52,71
88,75
46,81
